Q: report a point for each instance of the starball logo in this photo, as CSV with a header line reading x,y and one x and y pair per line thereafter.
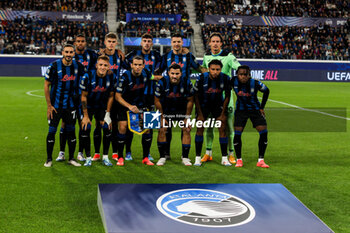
x,y
205,208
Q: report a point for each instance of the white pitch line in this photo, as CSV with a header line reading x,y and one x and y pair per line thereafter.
x,y
309,110
30,93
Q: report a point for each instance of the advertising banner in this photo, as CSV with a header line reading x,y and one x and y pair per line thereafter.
x,y
273,20
71,16
136,41
173,19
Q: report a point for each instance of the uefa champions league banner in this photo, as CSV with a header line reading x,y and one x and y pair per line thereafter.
x,y
273,20
136,41
173,19
265,70
71,16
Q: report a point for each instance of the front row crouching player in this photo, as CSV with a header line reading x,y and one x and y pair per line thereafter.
x,y
63,76
248,106
97,93
209,89
130,94
174,100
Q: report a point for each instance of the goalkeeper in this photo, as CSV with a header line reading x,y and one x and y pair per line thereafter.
x,y
229,62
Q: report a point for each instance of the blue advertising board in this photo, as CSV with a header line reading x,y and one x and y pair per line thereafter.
x,y
173,18
213,208
265,70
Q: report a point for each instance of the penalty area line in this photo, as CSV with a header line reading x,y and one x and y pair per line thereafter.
x,y
309,110
31,94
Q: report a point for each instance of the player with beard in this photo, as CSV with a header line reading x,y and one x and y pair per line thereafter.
x,y
174,100
61,89
87,58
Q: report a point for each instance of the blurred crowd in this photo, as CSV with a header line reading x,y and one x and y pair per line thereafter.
x,y
160,28
295,8
151,7
318,42
39,35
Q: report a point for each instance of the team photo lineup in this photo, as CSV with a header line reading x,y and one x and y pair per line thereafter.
x,y
108,86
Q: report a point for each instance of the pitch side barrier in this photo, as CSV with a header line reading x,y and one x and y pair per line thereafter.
x,y
262,69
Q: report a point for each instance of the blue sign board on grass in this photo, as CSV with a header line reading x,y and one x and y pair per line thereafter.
x,y
213,208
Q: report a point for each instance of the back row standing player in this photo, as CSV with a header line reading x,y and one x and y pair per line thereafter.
x,y
87,58
186,60
151,63
230,63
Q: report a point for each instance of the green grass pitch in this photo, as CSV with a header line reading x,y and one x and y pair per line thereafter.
x,y
314,166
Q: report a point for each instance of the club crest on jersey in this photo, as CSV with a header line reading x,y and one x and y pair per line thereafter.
x,y
205,208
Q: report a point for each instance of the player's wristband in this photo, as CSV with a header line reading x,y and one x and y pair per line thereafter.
x,y
107,118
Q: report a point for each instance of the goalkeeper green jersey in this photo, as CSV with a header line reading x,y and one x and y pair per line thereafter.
x,y
229,61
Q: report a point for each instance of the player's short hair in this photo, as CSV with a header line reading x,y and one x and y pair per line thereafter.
x,y
177,35
68,45
147,36
215,62
216,34
111,35
138,57
79,35
104,58
244,67
175,66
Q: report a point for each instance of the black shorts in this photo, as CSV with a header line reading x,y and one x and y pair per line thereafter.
x,y
121,113
211,112
68,116
99,114
114,111
255,116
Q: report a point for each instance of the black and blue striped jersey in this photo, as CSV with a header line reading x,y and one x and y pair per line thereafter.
x,y
64,83
173,97
211,91
116,64
247,93
186,61
98,88
134,89
88,59
152,60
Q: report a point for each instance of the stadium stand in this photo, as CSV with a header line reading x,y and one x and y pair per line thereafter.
x,y
157,28
151,7
295,8
37,35
56,5
319,42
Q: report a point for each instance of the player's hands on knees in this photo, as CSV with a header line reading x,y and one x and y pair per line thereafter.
x,y
222,118
187,127
262,112
200,117
134,109
50,110
85,122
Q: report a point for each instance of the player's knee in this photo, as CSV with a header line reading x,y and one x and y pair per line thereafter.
x,y
52,129
70,128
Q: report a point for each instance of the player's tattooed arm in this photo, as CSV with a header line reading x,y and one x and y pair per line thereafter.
x,y
86,121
